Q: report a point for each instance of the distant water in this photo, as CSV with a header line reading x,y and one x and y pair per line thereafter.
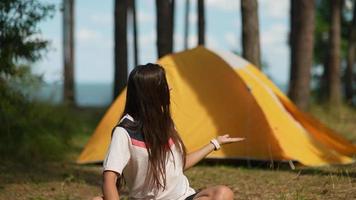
x,y
87,94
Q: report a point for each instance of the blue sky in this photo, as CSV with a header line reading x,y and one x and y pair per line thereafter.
x,y
94,36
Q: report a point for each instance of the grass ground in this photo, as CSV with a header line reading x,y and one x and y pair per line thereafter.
x,y
64,180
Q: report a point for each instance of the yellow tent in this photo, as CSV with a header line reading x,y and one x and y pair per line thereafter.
x,y
216,93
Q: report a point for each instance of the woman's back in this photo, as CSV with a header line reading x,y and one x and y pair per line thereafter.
x,y
128,155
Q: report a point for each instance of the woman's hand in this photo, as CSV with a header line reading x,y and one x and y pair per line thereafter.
x,y
225,139
199,154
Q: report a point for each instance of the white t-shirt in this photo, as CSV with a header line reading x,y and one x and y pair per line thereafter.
x,y
128,155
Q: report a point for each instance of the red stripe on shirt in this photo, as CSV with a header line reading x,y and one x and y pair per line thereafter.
x,y
170,142
143,144
138,143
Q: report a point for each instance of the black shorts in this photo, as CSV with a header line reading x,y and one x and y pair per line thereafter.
x,y
191,196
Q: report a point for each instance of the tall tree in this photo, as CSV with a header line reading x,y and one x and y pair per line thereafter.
x,y
18,41
201,22
250,32
333,57
322,38
301,41
132,10
165,24
68,52
186,23
120,49
349,72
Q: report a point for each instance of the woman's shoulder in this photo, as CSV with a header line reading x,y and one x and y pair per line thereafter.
x,y
120,132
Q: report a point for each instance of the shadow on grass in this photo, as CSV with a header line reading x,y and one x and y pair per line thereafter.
x,y
341,171
338,170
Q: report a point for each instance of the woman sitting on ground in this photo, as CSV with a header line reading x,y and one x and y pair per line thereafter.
x,y
146,151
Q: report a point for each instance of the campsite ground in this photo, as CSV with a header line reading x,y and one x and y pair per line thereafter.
x,y
64,180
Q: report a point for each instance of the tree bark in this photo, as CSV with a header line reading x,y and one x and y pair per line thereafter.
x,y
186,24
68,52
171,28
302,40
132,9
333,59
250,32
201,22
165,24
349,90
120,49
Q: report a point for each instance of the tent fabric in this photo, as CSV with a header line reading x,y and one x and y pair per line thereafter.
x,y
313,126
215,93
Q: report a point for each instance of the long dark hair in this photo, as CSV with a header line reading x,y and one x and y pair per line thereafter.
x,y
148,102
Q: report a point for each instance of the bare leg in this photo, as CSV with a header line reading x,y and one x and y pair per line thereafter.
x,y
219,192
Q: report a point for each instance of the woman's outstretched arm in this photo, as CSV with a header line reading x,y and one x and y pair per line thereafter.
x,y
196,156
109,186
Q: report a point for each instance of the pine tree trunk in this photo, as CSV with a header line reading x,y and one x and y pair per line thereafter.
x,y
120,49
171,28
302,40
292,36
250,32
201,22
165,24
186,24
350,59
68,52
333,59
132,9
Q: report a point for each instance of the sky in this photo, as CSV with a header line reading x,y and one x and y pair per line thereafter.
x,y
94,44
